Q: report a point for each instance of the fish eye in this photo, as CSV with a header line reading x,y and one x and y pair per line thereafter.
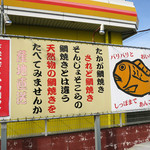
x,y
122,67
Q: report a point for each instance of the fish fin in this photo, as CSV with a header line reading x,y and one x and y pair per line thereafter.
x,y
142,66
137,62
131,89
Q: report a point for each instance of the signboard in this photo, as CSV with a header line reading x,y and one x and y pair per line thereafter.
x,y
130,78
4,77
51,78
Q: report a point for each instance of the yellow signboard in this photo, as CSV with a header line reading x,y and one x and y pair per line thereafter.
x,y
51,78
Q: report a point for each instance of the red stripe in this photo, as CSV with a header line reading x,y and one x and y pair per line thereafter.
x,y
83,6
4,76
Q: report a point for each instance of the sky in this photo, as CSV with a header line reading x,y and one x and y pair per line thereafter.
x,y
143,12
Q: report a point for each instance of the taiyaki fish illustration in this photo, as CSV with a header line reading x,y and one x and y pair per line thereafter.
x,y
132,78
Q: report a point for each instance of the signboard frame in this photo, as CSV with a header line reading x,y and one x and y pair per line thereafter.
x,y
81,42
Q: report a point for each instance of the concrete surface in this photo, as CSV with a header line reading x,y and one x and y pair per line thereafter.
x,y
142,146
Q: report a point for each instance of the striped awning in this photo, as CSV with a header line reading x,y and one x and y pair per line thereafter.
x,y
80,7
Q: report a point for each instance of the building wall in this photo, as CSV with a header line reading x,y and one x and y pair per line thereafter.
x,y
81,35
111,139
106,121
41,31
